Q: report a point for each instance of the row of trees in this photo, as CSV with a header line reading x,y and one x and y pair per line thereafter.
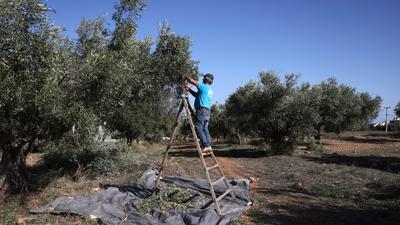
x,y
50,84
285,113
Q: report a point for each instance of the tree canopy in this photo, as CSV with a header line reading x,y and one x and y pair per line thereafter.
x,y
342,108
280,113
34,103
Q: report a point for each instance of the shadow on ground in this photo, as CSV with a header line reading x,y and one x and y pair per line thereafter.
x,y
296,205
388,164
383,134
41,176
381,191
327,215
184,146
234,153
369,140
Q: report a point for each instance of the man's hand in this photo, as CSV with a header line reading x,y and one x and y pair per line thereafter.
x,y
186,88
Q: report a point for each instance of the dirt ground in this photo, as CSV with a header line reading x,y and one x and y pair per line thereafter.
x,y
351,180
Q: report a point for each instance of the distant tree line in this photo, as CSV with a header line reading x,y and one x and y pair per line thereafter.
x,y
284,114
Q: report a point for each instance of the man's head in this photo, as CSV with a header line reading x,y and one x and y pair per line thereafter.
x,y
208,78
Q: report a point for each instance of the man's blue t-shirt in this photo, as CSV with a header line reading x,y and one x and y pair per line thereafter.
x,y
204,96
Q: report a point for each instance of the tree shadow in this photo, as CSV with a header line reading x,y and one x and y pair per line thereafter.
x,y
368,140
387,164
304,208
233,153
294,205
41,176
183,147
383,134
384,191
186,146
327,215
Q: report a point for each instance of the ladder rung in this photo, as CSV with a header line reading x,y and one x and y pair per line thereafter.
x,y
223,195
219,180
212,167
206,153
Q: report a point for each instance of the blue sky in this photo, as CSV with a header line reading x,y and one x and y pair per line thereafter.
x,y
357,41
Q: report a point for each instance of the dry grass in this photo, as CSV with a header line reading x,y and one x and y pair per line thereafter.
x,y
48,184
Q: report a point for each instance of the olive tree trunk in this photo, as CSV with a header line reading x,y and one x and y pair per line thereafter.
x,y
13,173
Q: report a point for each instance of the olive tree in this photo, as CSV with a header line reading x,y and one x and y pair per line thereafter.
x,y
286,112
130,87
370,107
240,110
219,123
341,108
172,58
280,113
34,105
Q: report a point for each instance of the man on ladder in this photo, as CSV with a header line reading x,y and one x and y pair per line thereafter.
x,y
202,104
200,130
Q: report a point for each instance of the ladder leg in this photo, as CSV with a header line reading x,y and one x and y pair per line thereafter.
x,y
227,184
189,111
171,141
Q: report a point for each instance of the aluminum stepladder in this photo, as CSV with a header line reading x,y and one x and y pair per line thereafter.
x,y
190,116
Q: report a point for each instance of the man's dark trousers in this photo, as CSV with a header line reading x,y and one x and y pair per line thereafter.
x,y
203,119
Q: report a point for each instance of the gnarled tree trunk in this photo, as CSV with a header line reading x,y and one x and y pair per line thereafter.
x,y
13,173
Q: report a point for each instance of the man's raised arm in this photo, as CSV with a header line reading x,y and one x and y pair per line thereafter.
x,y
192,81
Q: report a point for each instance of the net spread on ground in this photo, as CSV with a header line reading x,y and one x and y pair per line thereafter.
x,y
176,201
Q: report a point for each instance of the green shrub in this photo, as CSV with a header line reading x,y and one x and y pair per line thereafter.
x,y
102,166
96,158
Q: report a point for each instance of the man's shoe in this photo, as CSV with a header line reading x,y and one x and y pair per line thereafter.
x,y
207,149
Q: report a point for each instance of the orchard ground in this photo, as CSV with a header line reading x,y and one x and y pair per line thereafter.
x,y
354,179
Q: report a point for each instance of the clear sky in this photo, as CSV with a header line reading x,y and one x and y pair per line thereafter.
x,y
357,41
